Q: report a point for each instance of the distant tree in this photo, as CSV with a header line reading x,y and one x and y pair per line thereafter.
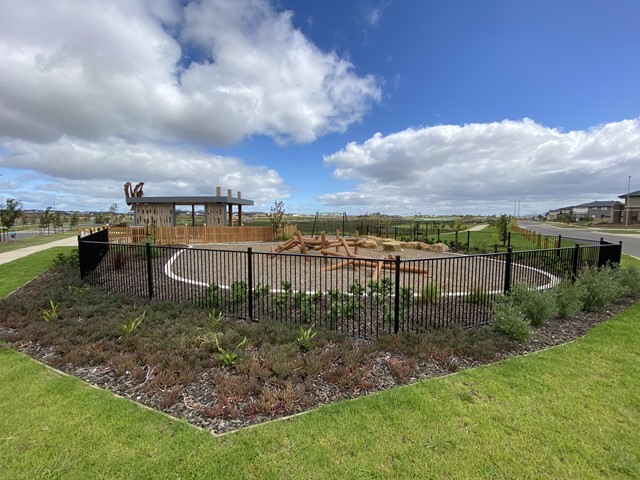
x,y
502,224
73,221
113,214
9,212
46,219
100,219
56,219
457,227
275,217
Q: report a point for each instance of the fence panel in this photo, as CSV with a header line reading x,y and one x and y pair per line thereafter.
x,y
364,298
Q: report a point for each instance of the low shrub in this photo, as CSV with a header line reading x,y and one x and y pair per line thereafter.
x,y
629,281
71,259
536,306
510,321
569,299
600,287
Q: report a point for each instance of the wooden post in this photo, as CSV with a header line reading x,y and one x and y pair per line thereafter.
x,y
239,209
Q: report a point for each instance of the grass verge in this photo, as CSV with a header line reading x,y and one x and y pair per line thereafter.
x,y
32,241
14,275
567,412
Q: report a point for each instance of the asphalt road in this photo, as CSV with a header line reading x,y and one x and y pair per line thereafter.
x,y
630,242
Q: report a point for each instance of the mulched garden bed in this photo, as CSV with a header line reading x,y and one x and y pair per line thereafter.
x,y
171,362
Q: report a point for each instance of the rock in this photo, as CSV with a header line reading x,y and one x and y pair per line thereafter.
x,y
439,247
413,245
369,243
391,246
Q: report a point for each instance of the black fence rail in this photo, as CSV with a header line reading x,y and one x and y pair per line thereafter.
x,y
364,298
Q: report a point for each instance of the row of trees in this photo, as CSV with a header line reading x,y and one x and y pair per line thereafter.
x,y
12,210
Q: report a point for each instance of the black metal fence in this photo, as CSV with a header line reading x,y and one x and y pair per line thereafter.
x,y
362,298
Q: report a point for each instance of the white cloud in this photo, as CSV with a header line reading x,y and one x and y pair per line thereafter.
x,y
484,166
95,70
91,175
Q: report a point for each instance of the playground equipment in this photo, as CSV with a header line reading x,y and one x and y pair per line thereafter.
x,y
342,247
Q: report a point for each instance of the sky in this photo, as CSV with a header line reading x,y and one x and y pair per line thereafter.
x,y
406,107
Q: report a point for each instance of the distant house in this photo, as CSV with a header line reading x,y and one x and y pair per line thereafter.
x,y
553,214
633,207
597,212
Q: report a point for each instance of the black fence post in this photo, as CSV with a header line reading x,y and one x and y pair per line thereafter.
x,y
508,239
426,233
507,271
149,272
468,241
574,263
438,234
250,281
395,233
396,305
559,245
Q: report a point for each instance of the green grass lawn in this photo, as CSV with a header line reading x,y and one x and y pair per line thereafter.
x,y
31,241
567,412
14,275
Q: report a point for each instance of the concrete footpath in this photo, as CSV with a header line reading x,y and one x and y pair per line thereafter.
x,y
23,252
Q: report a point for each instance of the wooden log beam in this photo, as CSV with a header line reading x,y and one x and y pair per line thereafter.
x,y
303,248
337,266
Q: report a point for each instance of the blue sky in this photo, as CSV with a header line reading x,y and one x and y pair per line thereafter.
x,y
361,106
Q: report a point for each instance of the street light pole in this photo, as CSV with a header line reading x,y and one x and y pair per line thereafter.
x,y
515,204
519,200
626,215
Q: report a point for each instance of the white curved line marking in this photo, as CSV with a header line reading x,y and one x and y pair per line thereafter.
x,y
553,280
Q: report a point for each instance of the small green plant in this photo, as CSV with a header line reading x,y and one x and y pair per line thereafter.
x,y
335,294
335,311
305,337
353,307
71,259
261,291
382,287
215,319
286,286
309,309
212,296
356,288
510,321
229,358
51,314
239,292
406,296
299,298
430,294
132,325
478,296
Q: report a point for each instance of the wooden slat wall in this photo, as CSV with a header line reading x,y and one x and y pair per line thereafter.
x,y
187,235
